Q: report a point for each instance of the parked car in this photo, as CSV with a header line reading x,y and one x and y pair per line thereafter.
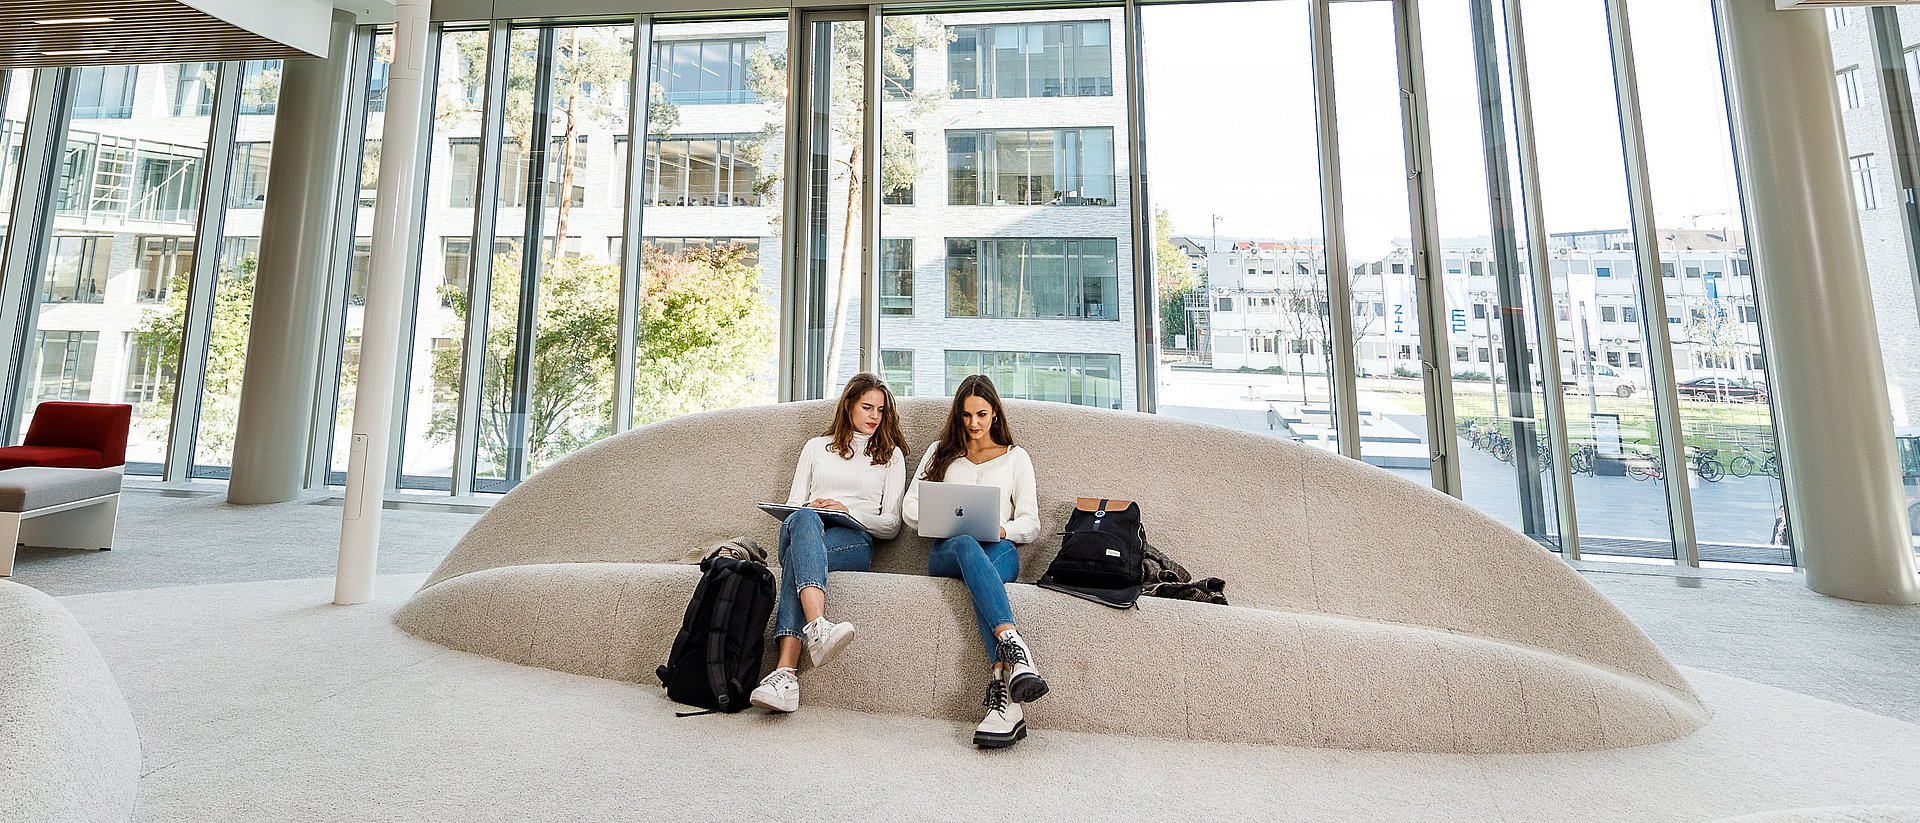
x,y
1723,388
1603,378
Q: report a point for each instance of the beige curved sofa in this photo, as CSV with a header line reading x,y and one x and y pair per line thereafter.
x,y
1369,612
68,749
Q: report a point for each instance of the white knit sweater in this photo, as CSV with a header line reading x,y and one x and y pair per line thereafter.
x,y
1011,473
871,493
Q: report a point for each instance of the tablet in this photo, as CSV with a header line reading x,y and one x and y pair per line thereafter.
x,y
827,516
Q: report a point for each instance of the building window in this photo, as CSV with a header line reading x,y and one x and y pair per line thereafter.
x,y
193,87
1078,378
1633,360
900,192
163,261
1053,59
700,171
166,187
896,367
260,87
1032,278
1460,354
676,245
145,373
248,189
1602,271
1849,80
1607,314
104,92
377,80
77,269
1629,314
65,367
896,277
1225,304
898,72
701,72
456,264
1865,196
1030,167
1613,358
513,172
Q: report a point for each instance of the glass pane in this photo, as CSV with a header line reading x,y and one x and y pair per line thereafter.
x,y
1025,257
1391,393
710,260
1603,355
1486,268
418,454
239,263
113,296
1241,274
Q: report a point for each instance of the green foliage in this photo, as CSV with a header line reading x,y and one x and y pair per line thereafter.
x,y
159,333
1172,278
704,333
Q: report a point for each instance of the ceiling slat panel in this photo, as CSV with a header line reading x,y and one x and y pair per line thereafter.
x,y
142,31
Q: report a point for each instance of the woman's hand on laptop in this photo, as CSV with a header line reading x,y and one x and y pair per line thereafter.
x,y
827,503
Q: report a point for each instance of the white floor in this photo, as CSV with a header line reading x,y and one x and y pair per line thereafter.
x,y
260,702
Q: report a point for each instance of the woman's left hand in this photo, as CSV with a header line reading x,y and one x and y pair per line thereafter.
x,y
827,503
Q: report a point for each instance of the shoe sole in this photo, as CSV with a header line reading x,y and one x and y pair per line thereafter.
x,y
986,740
770,706
834,646
1027,687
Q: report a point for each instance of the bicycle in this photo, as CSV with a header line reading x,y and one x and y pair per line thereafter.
x,y
1745,466
1704,464
1582,458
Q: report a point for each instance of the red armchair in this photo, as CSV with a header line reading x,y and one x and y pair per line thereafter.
x,y
74,436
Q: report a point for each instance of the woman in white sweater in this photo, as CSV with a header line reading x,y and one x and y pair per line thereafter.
x,y
977,448
859,469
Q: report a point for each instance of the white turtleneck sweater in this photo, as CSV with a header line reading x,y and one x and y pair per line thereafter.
x,y
871,493
1011,473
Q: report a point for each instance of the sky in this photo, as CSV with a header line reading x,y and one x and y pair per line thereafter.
x,y
1230,118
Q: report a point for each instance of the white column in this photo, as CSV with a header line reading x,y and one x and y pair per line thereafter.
x,y
1823,352
381,337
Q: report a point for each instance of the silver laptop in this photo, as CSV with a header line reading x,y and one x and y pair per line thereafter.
x,y
950,509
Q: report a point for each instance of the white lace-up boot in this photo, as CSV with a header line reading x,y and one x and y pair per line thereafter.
x,y
1005,723
1024,683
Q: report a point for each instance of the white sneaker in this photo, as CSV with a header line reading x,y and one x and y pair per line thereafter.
x,y
1005,723
825,639
1024,683
778,692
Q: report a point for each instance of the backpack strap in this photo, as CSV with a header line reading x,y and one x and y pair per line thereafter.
x,y
721,615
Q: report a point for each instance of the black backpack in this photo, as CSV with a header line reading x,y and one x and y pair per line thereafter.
x,y
1100,555
715,662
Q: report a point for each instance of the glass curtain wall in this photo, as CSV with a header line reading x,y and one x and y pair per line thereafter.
x,y
1005,173
707,314
1391,385
1720,372
349,317
239,261
1240,258
1487,266
113,290
1598,300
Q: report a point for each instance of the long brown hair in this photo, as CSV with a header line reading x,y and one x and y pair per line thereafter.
x,y
886,437
953,440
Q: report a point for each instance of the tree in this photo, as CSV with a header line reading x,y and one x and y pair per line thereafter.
x,y
704,330
903,37
1173,279
159,335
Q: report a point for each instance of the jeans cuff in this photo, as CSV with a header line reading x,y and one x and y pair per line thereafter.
x,y
793,633
804,584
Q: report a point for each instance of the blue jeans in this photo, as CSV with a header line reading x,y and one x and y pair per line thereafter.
x,y
987,570
808,550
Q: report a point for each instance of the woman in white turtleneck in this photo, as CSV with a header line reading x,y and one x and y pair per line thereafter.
x,y
857,468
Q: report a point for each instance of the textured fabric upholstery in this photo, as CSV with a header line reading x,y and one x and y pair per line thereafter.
x,y
59,424
13,457
26,489
1330,544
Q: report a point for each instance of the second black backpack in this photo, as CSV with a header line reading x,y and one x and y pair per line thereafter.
x,y
1100,554
715,661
